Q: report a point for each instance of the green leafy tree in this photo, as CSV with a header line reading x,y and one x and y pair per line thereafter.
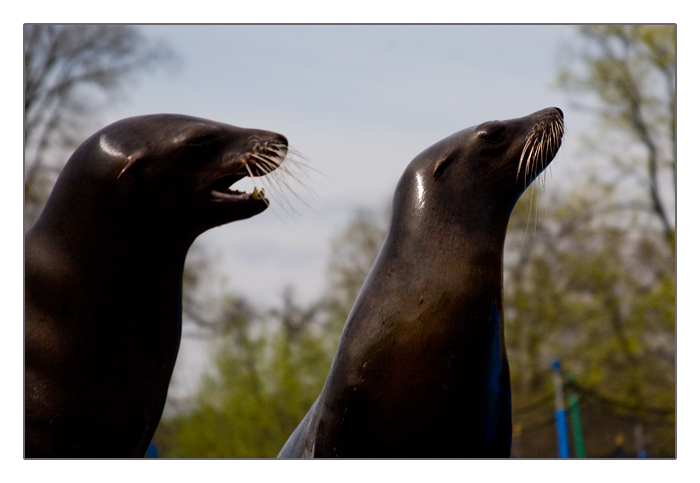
x,y
601,300
268,370
269,367
597,289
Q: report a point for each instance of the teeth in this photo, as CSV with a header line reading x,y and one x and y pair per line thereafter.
x,y
257,194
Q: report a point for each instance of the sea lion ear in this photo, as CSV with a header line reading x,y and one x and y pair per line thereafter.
x,y
132,159
112,149
441,165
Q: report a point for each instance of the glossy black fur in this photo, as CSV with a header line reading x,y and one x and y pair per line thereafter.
x,y
103,279
421,368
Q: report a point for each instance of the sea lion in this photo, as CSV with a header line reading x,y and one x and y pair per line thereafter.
x,y
103,274
421,368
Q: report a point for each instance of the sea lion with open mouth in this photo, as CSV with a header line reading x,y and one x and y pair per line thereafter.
x,y
103,274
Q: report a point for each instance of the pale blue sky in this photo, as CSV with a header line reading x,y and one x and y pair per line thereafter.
x,y
359,102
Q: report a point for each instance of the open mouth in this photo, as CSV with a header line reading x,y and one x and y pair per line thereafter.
x,y
263,157
221,191
260,161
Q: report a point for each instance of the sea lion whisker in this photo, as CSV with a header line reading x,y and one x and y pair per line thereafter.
x,y
522,155
281,178
527,163
546,149
550,140
271,170
279,149
272,162
280,194
282,175
247,167
264,161
297,169
272,155
299,172
520,163
262,169
274,158
538,157
538,160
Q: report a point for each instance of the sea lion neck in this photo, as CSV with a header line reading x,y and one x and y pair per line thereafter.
x,y
107,228
428,218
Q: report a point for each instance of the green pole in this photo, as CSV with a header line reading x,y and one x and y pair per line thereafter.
x,y
576,426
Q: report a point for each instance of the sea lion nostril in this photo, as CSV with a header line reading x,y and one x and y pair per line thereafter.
x,y
561,113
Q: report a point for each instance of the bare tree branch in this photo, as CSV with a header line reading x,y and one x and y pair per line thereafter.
x,y
67,70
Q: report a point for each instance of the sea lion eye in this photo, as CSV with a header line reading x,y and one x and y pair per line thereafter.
x,y
199,140
492,135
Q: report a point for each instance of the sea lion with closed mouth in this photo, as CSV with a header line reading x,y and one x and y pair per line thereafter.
x,y
103,274
421,368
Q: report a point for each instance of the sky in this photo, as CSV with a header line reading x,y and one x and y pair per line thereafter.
x,y
359,102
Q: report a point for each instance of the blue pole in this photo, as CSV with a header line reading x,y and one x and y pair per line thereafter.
x,y
560,411
639,438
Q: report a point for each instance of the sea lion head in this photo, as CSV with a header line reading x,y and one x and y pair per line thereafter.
x,y
475,176
174,169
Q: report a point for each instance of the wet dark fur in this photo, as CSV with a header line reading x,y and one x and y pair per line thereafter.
x,y
421,368
103,275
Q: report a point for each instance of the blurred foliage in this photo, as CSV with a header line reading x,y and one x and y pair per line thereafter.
x,y
591,283
269,368
601,298
597,289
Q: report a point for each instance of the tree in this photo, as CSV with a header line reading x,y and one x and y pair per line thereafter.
x,y
67,70
630,72
270,365
269,369
601,300
598,287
